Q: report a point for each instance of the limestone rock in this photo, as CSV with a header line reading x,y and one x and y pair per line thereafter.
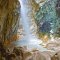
x,y
9,18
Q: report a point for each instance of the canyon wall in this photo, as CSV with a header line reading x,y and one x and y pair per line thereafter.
x,y
9,18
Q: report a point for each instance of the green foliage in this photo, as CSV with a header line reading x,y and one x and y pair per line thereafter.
x,y
47,12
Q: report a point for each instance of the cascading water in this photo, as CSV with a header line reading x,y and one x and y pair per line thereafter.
x,y
24,19
29,40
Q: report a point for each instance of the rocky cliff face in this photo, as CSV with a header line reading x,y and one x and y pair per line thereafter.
x,y
9,18
9,14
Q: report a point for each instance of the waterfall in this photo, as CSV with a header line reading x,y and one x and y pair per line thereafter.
x,y
29,39
25,19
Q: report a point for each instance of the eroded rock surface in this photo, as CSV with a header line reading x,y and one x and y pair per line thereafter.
x,y
9,19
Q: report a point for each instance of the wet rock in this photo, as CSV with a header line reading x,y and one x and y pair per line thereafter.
x,y
58,55
55,57
37,55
